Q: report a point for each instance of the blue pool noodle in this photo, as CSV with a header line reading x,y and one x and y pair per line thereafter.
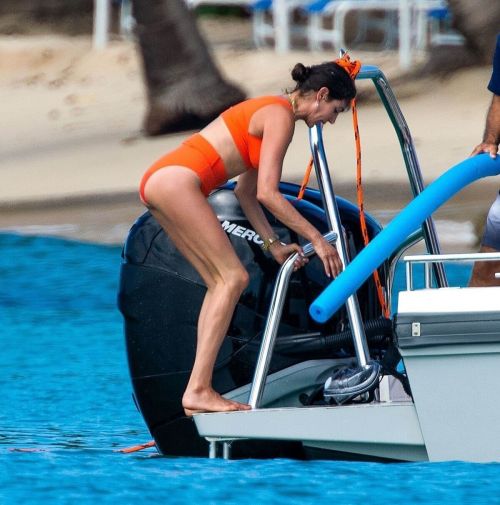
x,y
405,223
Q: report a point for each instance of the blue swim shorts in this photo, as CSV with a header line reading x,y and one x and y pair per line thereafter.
x,y
491,237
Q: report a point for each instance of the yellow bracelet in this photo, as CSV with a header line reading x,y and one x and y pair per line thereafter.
x,y
268,242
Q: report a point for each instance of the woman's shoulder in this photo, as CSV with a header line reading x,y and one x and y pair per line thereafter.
x,y
255,103
262,101
272,104
272,99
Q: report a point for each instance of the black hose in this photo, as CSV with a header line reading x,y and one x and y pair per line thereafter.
x,y
377,332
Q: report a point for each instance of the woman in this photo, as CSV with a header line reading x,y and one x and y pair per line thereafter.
x,y
248,140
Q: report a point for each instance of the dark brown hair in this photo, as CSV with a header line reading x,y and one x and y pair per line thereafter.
x,y
330,75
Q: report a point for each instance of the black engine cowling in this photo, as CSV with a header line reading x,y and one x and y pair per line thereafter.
x,y
160,296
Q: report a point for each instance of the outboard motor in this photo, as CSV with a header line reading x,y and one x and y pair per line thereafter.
x,y
160,296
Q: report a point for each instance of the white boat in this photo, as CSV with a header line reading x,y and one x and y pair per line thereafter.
x,y
449,341
421,385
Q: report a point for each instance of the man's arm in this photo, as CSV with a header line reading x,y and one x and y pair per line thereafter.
x,y
491,136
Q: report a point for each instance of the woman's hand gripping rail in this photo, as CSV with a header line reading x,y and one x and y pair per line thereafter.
x,y
288,215
306,251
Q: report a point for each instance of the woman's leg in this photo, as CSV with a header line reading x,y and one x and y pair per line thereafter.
x,y
182,210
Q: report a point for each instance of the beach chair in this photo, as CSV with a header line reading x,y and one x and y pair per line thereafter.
x,y
264,23
433,25
127,21
439,28
323,28
230,3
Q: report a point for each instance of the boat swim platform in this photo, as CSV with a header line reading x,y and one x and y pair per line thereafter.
x,y
384,429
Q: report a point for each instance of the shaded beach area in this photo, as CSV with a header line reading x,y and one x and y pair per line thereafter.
x,y
73,153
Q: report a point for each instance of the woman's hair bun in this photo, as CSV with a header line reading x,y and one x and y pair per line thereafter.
x,y
300,72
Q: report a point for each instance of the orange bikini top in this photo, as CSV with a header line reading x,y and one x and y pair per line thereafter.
x,y
237,119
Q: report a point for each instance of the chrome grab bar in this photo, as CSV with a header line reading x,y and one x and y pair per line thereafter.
x,y
334,223
409,155
273,320
430,259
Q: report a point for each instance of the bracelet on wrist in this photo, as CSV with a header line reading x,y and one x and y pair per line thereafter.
x,y
268,242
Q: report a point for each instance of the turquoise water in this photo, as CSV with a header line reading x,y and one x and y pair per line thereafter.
x,y
65,397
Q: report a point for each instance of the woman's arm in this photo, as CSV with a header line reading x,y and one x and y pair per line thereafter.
x,y
245,191
277,134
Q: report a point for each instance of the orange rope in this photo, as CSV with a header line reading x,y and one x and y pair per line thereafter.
x,y
361,205
136,448
353,68
305,180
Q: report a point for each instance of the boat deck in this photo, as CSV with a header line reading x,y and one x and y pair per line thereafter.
x,y
386,429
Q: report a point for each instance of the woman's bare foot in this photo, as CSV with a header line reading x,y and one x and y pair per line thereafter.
x,y
208,400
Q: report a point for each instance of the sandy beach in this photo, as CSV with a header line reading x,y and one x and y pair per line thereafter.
x,y
72,152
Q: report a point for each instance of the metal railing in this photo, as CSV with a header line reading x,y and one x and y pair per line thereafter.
x,y
337,233
431,259
273,320
409,155
334,223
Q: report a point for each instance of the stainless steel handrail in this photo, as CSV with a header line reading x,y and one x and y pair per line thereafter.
x,y
273,320
334,223
391,273
409,155
429,259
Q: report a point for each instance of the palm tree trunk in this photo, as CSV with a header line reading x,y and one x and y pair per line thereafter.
x,y
184,87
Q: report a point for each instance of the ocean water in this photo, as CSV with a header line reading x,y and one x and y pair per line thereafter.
x,y
65,408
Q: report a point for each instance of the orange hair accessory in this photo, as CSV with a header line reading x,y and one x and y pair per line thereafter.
x,y
351,67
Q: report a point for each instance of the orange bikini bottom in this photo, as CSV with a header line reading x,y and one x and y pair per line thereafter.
x,y
197,154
